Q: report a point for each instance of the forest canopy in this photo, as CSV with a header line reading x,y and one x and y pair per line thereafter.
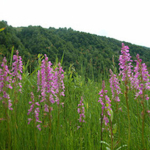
x,y
92,53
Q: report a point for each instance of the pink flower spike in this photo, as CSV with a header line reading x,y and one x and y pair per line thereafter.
x,y
125,63
81,111
115,87
105,103
5,83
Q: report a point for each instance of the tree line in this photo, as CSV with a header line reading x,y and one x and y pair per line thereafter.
x,y
89,54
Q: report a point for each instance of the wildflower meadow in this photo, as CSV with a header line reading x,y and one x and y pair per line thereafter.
x,y
55,109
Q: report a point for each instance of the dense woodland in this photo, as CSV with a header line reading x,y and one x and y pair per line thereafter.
x,y
86,52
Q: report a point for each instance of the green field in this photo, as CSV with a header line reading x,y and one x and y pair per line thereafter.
x,y
55,124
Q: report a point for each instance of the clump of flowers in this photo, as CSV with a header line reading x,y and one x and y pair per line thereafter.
x,y
46,83
5,84
126,72
17,70
105,101
142,79
125,63
34,110
50,82
81,111
50,85
141,84
115,88
59,83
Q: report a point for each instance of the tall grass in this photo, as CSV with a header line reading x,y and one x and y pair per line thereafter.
x,y
56,118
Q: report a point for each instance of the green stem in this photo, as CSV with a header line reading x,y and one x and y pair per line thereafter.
x,y
129,127
112,147
15,120
58,116
101,129
143,126
80,137
35,140
138,114
49,138
9,135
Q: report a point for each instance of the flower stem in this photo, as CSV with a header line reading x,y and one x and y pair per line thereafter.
x,y
143,119
101,129
129,127
111,135
49,138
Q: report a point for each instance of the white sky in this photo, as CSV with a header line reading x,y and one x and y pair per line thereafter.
x,y
125,20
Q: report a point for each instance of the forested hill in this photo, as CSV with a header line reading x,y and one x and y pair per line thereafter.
x,y
91,52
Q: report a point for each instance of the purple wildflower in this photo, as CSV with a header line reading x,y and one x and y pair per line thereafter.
x,y
50,83
125,63
81,111
59,84
17,69
34,110
115,86
5,84
106,104
46,85
141,78
45,81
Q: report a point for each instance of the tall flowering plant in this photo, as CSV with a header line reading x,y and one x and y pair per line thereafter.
x,y
125,67
5,100
105,102
60,89
5,84
81,111
141,79
141,84
46,84
115,88
59,83
125,64
50,86
34,110
9,79
106,115
17,70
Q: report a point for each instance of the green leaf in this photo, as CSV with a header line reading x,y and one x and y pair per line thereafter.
x,y
40,57
2,29
11,57
121,147
107,148
103,142
114,128
111,112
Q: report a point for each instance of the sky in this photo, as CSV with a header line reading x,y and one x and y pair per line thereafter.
x,y
124,20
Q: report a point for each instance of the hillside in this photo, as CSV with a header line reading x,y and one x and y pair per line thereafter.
x,y
90,52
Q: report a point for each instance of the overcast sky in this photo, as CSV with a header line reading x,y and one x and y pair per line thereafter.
x,y
125,20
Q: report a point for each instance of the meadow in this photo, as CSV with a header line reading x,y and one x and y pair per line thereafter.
x,y
52,109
